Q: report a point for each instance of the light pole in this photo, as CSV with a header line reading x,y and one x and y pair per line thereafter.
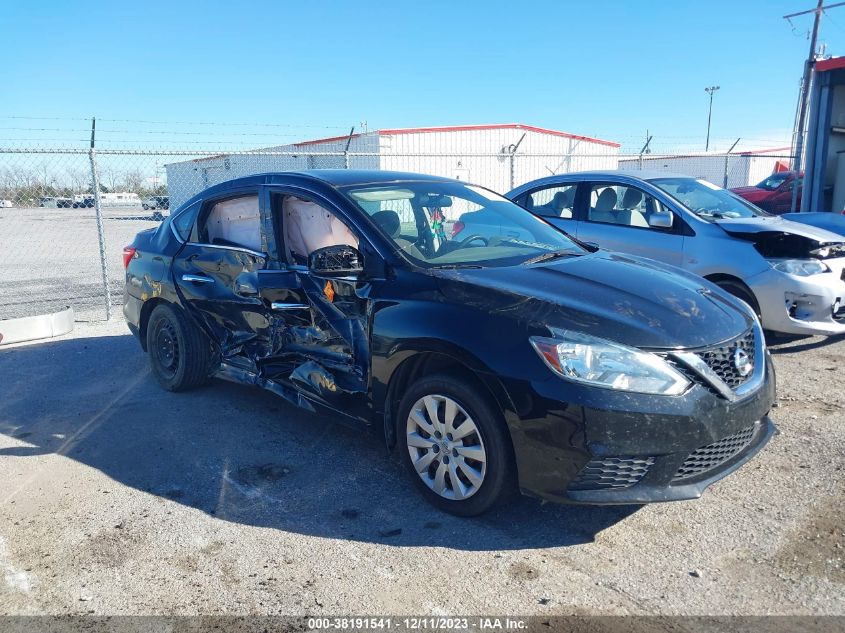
x,y
709,90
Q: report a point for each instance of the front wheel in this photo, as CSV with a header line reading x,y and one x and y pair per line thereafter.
x,y
742,293
180,353
455,445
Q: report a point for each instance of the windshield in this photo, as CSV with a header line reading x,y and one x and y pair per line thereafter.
x,y
453,225
773,182
707,200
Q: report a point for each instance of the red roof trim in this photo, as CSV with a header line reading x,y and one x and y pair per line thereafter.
x,y
765,151
331,139
464,128
830,64
502,126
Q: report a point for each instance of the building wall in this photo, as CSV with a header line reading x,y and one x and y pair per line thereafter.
x,y
742,170
482,156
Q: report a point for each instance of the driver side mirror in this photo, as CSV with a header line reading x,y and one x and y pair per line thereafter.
x,y
661,220
336,261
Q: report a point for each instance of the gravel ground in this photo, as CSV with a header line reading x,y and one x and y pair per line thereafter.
x,y
50,259
119,498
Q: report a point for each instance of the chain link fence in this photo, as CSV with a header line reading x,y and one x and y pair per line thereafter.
x,y
66,214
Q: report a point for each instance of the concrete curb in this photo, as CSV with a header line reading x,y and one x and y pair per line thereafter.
x,y
36,327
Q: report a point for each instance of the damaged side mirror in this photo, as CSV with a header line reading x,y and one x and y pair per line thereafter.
x,y
335,261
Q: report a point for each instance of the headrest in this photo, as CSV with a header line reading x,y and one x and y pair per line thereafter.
x,y
631,198
563,199
388,221
606,200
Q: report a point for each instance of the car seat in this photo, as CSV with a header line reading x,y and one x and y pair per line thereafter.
x,y
629,215
390,223
604,209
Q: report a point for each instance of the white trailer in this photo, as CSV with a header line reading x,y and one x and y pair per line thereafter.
x,y
495,156
726,170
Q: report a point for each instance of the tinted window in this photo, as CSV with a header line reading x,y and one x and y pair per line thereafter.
x,y
184,222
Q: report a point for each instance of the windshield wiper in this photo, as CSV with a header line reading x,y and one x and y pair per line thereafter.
x,y
544,257
455,266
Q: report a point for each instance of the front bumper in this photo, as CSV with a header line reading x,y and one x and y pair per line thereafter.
x,y
597,446
802,305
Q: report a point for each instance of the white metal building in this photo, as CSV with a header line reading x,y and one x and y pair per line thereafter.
x,y
476,153
734,170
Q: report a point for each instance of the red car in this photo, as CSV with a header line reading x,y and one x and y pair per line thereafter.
x,y
774,194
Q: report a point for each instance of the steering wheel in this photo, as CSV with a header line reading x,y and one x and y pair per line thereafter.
x,y
473,238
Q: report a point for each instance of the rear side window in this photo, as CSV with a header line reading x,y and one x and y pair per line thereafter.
x,y
553,202
233,222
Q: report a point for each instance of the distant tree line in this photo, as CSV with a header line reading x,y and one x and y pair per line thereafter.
x,y
26,186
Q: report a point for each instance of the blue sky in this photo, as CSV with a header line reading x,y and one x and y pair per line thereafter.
x,y
611,69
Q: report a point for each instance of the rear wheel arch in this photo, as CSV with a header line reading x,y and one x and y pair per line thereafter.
x,y
146,311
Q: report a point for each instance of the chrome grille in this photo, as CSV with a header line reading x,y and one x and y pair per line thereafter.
x,y
721,359
611,472
709,457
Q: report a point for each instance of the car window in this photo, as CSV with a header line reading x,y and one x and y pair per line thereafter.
x,y
455,224
773,182
233,222
308,226
184,222
554,202
621,204
706,200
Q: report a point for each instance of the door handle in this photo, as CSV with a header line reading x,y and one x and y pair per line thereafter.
x,y
277,305
197,279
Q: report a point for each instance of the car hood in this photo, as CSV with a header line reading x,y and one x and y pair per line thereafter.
x,y
751,193
769,224
775,237
630,300
833,222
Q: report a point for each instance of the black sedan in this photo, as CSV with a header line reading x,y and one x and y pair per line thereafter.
x,y
492,362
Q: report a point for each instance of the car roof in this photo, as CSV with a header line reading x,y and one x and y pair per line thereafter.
x,y
644,175
330,177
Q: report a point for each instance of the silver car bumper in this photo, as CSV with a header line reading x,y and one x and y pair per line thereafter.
x,y
802,305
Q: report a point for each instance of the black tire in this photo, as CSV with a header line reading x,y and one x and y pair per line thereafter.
x,y
742,293
498,482
146,207
188,364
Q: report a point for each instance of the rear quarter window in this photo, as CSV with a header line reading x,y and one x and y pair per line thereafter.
x,y
184,222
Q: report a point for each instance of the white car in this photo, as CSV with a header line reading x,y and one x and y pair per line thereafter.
x,y
791,274
6,204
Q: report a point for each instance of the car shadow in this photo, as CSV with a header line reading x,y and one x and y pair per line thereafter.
x,y
243,455
793,344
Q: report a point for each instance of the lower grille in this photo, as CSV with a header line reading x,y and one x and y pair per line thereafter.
x,y
611,472
708,457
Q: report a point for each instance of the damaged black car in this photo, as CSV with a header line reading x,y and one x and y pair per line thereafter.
x,y
517,359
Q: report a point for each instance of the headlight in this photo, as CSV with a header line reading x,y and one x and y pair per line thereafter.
x,y
800,267
600,363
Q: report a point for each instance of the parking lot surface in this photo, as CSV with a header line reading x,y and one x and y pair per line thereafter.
x,y
119,498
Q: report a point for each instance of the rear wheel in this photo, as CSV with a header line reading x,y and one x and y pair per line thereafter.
x,y
180,353
456,445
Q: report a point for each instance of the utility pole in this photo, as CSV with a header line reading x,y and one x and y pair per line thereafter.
x,y
805,89
709,90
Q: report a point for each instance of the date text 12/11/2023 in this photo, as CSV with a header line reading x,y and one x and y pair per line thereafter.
x,y
426,623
